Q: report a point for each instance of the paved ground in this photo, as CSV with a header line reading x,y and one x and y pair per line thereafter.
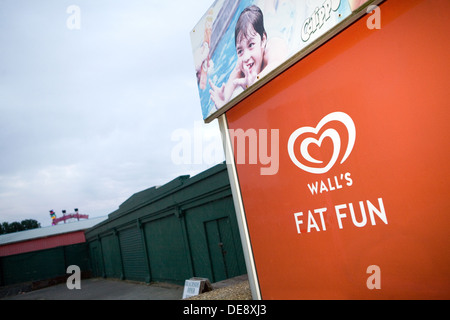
x,y
105,289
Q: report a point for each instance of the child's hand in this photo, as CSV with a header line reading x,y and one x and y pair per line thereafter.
x,y
217,95
221,96
246,79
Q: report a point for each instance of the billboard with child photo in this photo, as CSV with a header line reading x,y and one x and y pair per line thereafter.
x,y
237,43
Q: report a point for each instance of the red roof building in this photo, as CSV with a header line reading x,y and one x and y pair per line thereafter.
x,y
46,238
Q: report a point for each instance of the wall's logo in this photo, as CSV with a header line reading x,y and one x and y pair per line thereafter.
x,y
326,128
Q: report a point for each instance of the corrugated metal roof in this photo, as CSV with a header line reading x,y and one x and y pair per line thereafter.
x,y
144,196
49,231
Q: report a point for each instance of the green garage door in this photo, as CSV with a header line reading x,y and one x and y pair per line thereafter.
x,y
132,249
222,250
214,240
111,257
95,252
166,249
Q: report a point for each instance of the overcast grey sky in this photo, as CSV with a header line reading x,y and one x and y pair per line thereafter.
x,y
87,116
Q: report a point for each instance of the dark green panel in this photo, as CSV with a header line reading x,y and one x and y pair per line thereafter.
x,y
208,226
222,249
77,255
215,247
43,264
134,264
96,259
1,272
33,266
229,249
198,242
166,250
111,257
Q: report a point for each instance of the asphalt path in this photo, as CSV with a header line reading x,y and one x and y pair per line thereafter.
x,y
105,289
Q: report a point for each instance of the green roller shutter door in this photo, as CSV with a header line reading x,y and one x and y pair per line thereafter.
x,y
111,256
132,249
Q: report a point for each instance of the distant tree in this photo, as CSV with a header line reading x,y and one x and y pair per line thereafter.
x,y
3,227
12,227
15,227
29,224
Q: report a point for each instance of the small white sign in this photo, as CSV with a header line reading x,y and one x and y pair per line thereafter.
x,y
191,288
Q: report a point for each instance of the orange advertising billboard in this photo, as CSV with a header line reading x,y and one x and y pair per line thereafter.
x,y
342,163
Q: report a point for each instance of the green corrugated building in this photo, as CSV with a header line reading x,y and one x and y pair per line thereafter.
x,y
186,228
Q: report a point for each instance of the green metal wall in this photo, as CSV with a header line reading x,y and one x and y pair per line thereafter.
x,y
184,229
44,264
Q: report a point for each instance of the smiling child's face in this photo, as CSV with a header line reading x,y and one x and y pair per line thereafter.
x,y
250,51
